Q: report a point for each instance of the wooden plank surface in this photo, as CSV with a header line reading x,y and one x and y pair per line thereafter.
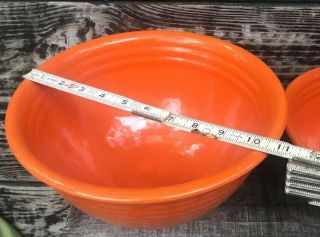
x,y
286,36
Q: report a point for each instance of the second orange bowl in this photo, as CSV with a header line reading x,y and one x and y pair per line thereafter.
x,y
303,96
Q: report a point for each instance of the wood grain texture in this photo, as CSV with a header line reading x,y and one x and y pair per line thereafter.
x,y
285,36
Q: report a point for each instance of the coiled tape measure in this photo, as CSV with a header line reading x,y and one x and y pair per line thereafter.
x,y
303,169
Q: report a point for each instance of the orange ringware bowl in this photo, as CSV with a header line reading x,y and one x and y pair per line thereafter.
x,y
131,171
303,94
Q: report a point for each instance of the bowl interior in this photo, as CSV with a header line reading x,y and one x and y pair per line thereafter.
x,y
303,107
201,77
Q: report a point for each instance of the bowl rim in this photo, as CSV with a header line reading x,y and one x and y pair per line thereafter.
x,y
199,186
298,85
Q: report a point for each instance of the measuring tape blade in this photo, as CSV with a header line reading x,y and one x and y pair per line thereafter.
x,y
315,203
233,136
304,186
302,178
300,192
303,169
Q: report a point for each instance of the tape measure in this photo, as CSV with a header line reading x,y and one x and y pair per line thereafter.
x,y
300,175
236,137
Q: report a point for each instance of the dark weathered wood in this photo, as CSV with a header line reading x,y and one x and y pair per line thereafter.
x,y
36,210
285,36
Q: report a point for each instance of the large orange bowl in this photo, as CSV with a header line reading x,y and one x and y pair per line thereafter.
x,y
135,172
303,126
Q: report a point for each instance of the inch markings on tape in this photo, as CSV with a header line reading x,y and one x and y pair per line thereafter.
x,y
233,136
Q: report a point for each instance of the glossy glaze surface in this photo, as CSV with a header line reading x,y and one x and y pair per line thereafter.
x,y
91,151
303,95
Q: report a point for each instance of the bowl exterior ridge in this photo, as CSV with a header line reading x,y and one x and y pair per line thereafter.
x,y
153,216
